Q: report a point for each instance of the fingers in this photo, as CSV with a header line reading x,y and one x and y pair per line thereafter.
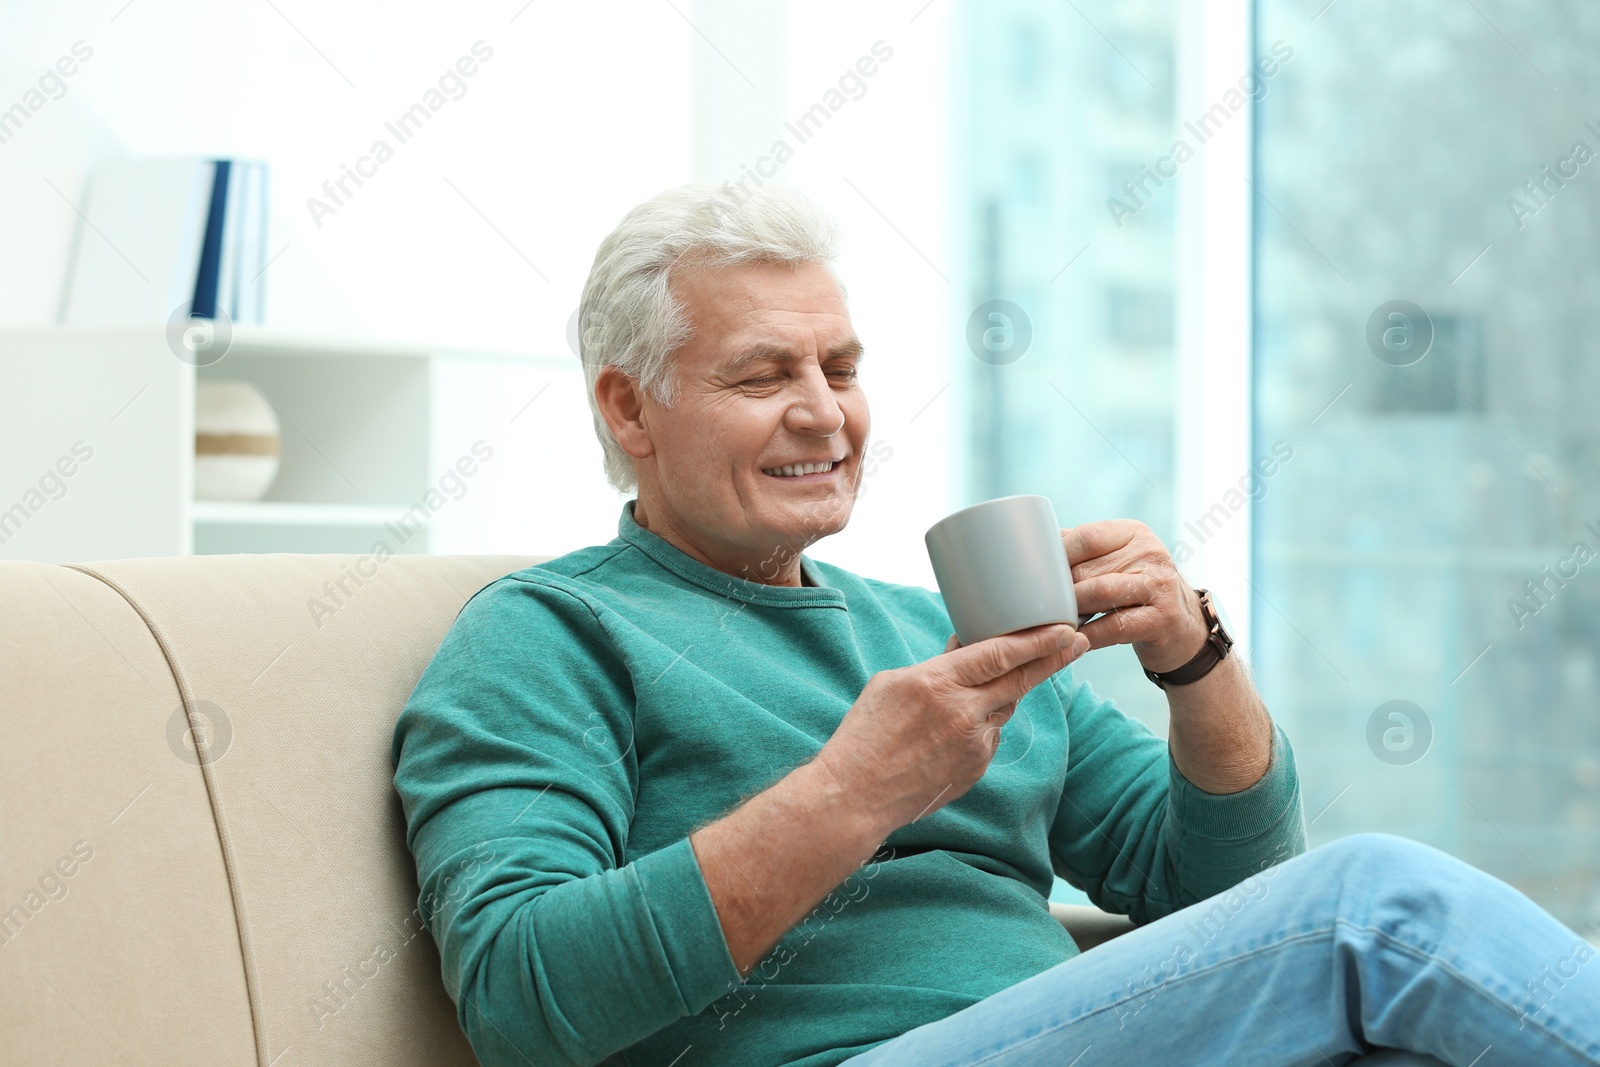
x,y
1109,591
1141,606
1124,626
997,719
1001,715
1094,539
952,644
1015,684
979,664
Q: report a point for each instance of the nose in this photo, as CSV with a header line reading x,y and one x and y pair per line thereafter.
x,y
815,411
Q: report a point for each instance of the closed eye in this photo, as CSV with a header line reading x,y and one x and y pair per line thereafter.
x,y
846,374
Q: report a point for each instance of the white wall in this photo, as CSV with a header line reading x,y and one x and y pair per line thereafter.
x,y
481,228
881,166
578,114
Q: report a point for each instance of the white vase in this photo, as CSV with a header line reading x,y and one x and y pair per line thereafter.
x,y
236,441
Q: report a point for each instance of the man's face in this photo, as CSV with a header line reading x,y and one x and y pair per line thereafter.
x,y
768,378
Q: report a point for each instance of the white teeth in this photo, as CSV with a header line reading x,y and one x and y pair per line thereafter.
x,y
804,468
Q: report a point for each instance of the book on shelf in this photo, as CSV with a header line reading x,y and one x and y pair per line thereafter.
x,y
155,235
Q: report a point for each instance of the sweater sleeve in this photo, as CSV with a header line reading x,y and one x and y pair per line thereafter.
x,y
516,770
1138,837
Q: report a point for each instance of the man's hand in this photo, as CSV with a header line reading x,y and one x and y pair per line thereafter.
x,y
1122,569
918,737
1221,734
915,739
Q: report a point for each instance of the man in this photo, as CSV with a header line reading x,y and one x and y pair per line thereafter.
x,y
746,807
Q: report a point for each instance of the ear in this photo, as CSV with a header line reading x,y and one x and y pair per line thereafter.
x,y
621,404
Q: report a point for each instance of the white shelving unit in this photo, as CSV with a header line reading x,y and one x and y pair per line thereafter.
x,y
287,513
381,441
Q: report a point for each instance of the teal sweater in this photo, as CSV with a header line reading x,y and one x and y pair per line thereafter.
x,y
582,716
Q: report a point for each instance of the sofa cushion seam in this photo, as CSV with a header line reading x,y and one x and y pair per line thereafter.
x,y
218,824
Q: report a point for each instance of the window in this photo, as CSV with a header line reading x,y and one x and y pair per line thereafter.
x,y
1427,621
1080,405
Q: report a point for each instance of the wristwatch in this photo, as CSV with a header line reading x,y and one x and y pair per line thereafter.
x,y
1213,652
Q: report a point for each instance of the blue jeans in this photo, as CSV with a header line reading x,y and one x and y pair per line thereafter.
x,y
1370,942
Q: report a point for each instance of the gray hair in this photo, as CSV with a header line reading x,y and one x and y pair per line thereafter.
x,y
628,316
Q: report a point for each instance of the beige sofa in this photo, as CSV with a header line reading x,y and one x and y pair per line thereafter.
x,y
249,900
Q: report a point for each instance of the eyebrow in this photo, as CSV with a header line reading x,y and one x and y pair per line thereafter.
x,y
786,356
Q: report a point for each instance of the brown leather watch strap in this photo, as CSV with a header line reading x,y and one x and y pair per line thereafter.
x,y
1213,652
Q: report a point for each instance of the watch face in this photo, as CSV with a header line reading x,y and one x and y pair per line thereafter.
x,y
1222,614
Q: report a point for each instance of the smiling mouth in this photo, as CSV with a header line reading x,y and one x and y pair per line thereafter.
x,y
803,472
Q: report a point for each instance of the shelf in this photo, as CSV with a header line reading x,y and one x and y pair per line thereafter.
x,y
370,427
270,341
293,513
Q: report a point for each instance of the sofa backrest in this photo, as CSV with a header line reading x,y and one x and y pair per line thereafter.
x,y
202,856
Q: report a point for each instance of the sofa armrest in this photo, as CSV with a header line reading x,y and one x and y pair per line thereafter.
x,y
1089,926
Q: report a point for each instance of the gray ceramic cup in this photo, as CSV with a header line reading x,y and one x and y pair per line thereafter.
x,y
1001,567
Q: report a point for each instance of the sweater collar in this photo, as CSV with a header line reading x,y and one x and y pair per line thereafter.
x,y
707,577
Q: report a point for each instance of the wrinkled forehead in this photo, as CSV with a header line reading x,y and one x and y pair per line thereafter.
x,y
764,309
